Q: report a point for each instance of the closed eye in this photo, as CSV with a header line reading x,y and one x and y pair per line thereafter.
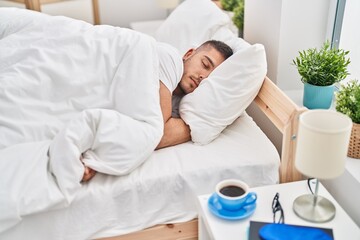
x,y
206,65
209,63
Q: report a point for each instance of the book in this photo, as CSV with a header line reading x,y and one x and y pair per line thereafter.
x,y
255,227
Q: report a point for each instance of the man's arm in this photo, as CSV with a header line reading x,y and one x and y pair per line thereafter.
x,y
176,131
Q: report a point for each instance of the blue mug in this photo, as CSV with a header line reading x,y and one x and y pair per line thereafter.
x,y
234,194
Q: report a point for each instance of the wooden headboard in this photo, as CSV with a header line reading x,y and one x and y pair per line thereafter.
x,y
284,114
36,6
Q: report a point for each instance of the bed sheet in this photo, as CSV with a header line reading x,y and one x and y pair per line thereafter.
x,y
162,190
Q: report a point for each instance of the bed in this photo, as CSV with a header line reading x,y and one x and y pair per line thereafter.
x,y
160,188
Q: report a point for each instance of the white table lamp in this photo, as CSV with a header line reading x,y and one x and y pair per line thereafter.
x,y
322,144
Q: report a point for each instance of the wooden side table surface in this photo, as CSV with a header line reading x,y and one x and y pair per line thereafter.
x,y
212,227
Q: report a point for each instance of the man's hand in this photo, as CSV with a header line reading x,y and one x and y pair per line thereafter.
x,y
88,172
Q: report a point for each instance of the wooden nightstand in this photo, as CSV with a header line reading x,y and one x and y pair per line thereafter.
x,y
212,227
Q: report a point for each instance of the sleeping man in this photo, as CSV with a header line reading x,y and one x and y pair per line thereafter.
x,y
179,77
197,65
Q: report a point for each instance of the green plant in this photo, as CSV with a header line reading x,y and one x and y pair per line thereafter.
x,y
236,6
238,17
322,67
348,100
229,5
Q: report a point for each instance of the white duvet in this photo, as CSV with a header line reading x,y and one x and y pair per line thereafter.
x,y
67,88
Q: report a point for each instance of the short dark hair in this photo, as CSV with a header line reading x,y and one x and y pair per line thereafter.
x,y
220,46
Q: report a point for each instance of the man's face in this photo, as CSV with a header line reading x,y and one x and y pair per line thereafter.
x,y
198,64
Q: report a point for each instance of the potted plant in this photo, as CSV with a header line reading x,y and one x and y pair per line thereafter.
x,y
229,5
236,7
319,71
238,17
348,102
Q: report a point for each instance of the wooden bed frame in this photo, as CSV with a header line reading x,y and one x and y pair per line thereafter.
x,y
283,113
36,6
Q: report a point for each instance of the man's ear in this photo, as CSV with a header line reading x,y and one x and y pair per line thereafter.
x,y
189,52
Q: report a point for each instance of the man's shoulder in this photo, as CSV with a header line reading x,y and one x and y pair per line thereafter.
x,y
162,46
171,65
166,51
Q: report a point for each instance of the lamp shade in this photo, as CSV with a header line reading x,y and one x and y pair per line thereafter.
x,y
322,143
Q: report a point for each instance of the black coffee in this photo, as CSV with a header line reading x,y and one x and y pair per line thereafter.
x,y
232,191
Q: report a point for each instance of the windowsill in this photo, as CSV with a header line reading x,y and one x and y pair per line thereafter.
x,y
353,167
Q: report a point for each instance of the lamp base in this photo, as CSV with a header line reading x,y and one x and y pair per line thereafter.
x,y
322,211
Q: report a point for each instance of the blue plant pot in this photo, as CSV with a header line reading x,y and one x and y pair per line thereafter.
x,y
318,97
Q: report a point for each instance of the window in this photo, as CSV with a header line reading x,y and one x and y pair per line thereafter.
x,y
346,34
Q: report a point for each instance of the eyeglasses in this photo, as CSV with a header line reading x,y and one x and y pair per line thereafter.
x,y
278,212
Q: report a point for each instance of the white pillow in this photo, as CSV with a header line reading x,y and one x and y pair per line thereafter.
x,y
225,94
227,36
192,23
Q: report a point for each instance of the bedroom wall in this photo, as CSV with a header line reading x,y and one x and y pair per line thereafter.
x,y
122,12
285,27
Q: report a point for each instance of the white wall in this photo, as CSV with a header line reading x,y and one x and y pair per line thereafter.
x,y
286,27
122,12
262,25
